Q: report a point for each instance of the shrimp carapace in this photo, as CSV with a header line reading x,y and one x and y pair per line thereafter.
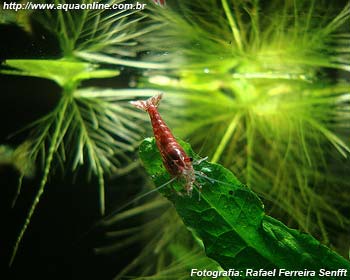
x,y
174,158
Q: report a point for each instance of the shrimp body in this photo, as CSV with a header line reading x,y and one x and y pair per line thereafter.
x,y
174,158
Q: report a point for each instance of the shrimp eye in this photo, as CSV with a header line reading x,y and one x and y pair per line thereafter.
x,y
188,159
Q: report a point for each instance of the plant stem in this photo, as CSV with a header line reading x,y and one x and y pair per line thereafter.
x,y
96,57
96,163
19,186
228,134
235,31
53,146
101,184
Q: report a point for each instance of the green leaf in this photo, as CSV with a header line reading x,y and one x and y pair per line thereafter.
x,y
60,71
230,220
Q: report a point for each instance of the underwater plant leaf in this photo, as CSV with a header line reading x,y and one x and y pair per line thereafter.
x,y
101,58
230,220
60,71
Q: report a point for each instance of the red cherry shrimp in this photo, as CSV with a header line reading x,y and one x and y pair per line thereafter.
x,y
174,158
176,161
178,164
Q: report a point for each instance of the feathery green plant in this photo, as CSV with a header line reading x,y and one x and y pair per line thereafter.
x,y
88,126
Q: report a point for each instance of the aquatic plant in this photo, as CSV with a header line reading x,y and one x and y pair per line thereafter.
x,y
263,88
254,89
229,219
91,127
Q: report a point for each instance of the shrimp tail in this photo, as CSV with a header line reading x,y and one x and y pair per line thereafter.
x,y
144,105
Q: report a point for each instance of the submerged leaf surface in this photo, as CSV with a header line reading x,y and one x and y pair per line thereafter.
x,y
230,220
60,71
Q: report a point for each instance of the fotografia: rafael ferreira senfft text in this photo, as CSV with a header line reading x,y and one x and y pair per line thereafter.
x,y
277,272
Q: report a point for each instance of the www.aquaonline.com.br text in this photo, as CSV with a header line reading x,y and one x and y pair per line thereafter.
x,y
75,6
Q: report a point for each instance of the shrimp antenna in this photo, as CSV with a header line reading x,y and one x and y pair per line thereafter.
x,y
203,175
104,221
211,180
